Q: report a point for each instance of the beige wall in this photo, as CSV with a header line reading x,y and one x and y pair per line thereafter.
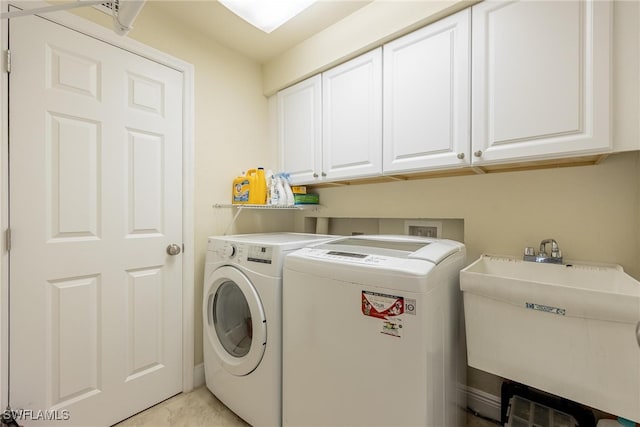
x,y
592,211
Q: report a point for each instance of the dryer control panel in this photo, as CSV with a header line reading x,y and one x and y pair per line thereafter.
x,y
261,254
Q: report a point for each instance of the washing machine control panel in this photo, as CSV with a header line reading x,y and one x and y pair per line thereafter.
x,y
349,257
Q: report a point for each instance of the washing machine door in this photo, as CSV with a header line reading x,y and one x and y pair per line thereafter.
x,y
236,324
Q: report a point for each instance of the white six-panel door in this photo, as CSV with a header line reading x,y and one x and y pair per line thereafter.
x,y
95,198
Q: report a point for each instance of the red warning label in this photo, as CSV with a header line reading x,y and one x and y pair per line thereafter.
x,y
381,306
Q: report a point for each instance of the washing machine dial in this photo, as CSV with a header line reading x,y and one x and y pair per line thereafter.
x,y
228,251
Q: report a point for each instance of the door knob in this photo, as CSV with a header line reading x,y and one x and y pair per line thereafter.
x,y
477,153
460,156
173,249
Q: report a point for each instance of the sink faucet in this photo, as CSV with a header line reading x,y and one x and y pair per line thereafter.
x,y
554,247
555,257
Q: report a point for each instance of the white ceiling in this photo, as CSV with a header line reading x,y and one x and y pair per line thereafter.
x,y
214,20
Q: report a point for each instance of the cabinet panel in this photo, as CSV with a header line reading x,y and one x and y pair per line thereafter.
x,y
300,130
540,79
352,118
427,97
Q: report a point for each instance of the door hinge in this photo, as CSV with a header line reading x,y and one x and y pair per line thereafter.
x,y
7,61
7,239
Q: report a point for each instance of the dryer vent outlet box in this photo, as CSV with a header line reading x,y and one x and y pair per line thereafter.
x,y
423,228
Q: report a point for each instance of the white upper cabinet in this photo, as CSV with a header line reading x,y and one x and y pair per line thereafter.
x,y
502,82
300,130
427,97
540,80
352,118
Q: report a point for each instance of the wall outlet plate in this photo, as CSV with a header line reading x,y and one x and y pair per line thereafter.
x,y
423,228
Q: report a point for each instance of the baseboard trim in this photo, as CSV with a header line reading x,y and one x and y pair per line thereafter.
x,y
198,377
483,403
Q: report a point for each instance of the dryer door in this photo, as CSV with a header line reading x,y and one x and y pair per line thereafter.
x,y
236,325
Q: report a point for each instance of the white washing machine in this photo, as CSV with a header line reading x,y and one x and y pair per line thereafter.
x,y
372,334
242,313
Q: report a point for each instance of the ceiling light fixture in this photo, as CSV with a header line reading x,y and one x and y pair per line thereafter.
x,y
266,15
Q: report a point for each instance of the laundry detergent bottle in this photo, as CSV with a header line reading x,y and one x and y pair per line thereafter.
x,y
241,190
258,186
261,187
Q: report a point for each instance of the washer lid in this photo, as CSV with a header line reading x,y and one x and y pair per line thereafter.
x,y
235,323
387,249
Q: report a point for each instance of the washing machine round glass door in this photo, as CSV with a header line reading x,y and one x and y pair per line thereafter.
x,y
237,327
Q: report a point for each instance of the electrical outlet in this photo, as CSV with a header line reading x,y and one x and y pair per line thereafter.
x,y
424,231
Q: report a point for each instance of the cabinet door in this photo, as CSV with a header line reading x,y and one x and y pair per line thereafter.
x,y
427,97
352,118
300,131
540,79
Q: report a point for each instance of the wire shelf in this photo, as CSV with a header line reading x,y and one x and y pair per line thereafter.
x,y
265,207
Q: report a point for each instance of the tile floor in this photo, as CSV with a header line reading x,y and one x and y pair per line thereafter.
x,y
200,408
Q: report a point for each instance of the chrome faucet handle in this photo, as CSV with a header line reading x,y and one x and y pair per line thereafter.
x,y
529,254
543,245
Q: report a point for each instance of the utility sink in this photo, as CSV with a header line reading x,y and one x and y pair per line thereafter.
x,y
571,330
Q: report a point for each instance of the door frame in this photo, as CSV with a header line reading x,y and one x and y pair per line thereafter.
x,y
106,35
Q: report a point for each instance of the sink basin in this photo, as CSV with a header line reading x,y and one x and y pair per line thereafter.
x,y
566,329
600,291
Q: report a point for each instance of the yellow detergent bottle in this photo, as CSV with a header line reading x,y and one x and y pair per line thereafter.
x,y
261,187
241,192
258,186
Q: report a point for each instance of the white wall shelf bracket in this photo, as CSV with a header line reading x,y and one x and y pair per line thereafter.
x,y
240,208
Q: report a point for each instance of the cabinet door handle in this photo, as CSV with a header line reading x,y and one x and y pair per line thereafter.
x,y
315,175
477,153
461,156
638,333
324,174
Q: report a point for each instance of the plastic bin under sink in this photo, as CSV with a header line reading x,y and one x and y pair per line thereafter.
x,y
570,330
525,413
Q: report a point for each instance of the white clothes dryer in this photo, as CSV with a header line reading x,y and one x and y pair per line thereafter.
x,y
242,314
372,334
